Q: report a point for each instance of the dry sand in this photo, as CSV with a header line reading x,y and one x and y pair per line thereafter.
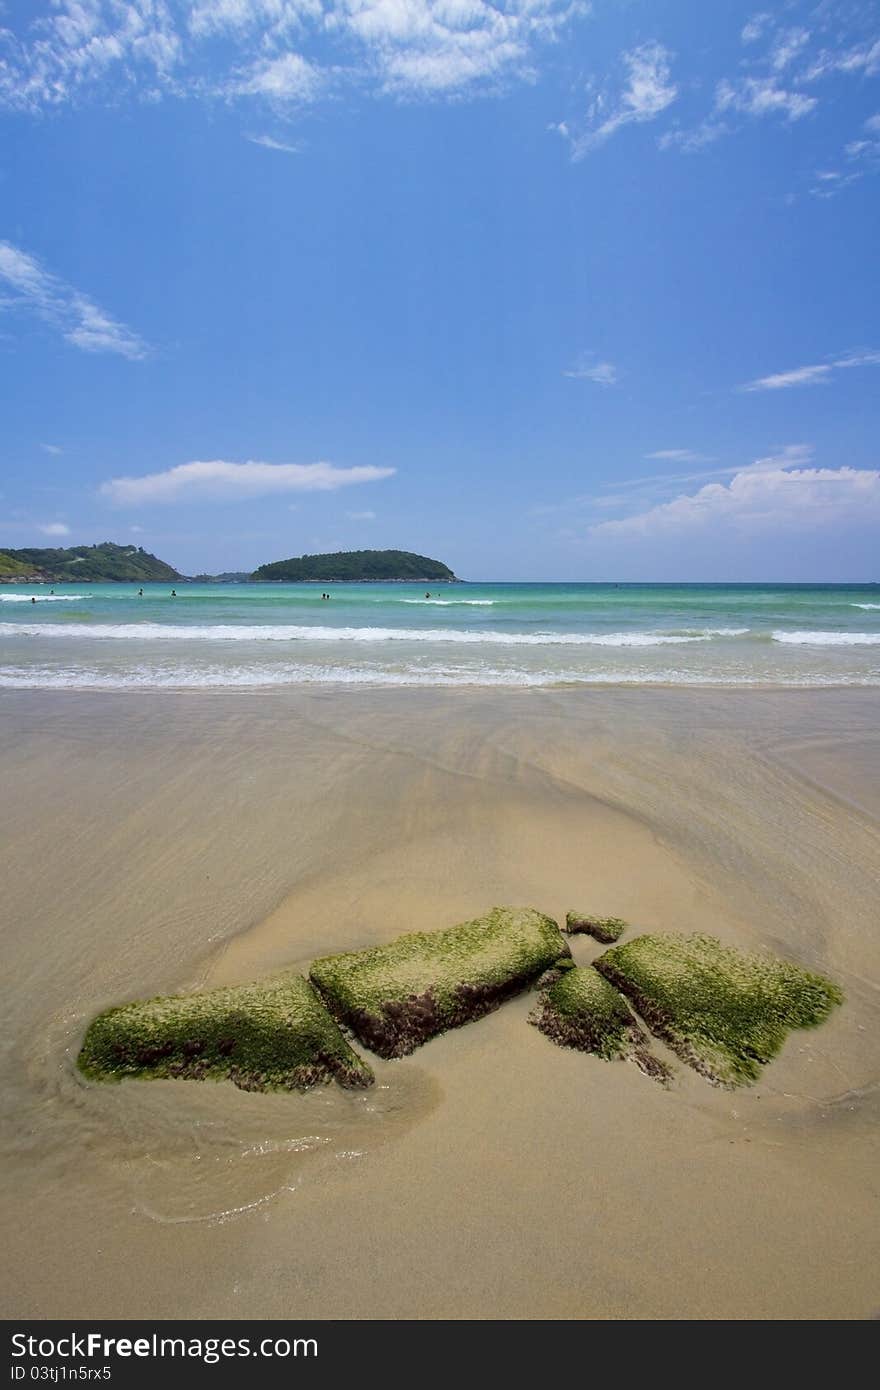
x,y
152,842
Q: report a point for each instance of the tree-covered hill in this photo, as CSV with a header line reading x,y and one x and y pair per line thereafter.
x,y
11,568
96,562
363,566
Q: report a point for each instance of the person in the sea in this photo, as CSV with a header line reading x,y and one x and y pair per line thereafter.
x,y
33,600
140,593
174,593
427,595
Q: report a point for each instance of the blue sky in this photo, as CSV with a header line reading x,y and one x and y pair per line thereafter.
x,y
546,290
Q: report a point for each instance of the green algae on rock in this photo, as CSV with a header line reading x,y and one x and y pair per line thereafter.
x,y
272,1035
584,1011
725,1012
397,996
604,929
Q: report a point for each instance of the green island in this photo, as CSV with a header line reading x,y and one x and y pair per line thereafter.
x,y
80,563
359,566
13,570
604,929
582,1010
396,997
272,1035
723,1011
109,563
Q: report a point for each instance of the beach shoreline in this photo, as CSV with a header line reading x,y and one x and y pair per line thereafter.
x,y
206,838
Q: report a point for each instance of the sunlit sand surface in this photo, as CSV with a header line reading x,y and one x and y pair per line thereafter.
x,y
157,842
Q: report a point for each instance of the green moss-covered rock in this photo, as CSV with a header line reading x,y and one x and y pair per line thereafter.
x,y
273,1035
723,1011
604,929
582,1010
397,996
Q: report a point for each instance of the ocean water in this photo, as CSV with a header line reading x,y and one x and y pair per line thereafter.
x,y
104,636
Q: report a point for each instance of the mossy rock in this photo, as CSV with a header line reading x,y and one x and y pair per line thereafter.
x,y
604,929
725,1012
273,1035
397,996
584,1011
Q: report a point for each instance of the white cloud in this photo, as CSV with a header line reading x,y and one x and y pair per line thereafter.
x,y
863,157
860,59
282,51
866,148
692,141
773,494
361,516
830,182
787,47
79,320
755,27
268,142
220,480
601,373
677,456
798,376
54,528
818,375
648,91
52,448
859,359
285,79
762,96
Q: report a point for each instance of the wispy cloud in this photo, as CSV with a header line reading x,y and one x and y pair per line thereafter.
x,y
755,27
861,156
693,141
268,142
779,77
54,528
789,44
762,96
361,516
52,448
647,91
677,456
281,51
284,80
600,373
777,494
33,288
220,480
819,374
797,376
858,59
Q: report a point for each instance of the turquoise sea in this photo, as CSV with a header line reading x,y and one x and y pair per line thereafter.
x,y
105,636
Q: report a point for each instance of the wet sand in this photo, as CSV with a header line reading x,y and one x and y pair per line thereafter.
x,y
155,842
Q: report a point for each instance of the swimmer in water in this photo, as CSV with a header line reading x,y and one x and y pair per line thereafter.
x,y
174,593
140,593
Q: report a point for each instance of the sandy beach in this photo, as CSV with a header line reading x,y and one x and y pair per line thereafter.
x,y
156,842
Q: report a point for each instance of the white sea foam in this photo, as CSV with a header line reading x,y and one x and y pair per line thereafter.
x,y
40,598
451,602
227,632
828,639
865,605
254,677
